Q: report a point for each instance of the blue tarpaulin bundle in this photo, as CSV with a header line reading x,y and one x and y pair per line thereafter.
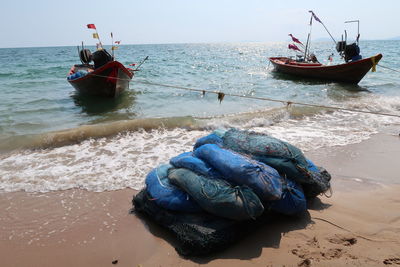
x,y
231,176
167,195
209,139
188,161
287,159
282,156
240,170
218,196
292,200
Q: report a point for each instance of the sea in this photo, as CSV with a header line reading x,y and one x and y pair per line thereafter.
x,y
52,138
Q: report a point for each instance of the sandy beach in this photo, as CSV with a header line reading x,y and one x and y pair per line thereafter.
x,y
358,226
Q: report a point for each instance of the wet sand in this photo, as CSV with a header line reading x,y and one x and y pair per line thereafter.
x,y
358,226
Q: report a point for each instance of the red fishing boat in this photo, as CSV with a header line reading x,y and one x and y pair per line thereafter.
x,y
106,77
306,64
350,72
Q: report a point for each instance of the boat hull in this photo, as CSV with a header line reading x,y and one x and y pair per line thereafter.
x,y
109,80
351,72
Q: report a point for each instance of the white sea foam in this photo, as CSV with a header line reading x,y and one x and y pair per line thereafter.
x,y
123,161
97,165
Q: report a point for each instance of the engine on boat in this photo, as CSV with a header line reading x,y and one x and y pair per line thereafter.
x,y
350,52
340,46
85,55
101,57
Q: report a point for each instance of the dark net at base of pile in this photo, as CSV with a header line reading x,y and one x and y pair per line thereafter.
x,y
198,233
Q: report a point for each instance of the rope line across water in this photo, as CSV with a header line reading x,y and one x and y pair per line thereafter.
x,y
270,99
288,103
388,68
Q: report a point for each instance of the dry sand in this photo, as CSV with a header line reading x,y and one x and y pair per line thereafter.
x,y
358,226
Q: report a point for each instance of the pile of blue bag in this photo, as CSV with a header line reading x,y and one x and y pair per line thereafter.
x,y
76,75
233,177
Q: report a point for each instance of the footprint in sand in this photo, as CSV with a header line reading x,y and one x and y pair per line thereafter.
x,y
343,240
305,263
332,253
390,261
313,242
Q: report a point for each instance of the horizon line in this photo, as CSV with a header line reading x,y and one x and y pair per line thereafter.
x,y
321,40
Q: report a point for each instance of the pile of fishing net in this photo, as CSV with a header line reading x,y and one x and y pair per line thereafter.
x,y
231,181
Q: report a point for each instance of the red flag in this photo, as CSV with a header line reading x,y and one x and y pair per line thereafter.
x,y
117,42
294,47
294,39
91,26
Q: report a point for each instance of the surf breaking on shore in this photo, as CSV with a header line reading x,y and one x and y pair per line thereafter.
x,y
130,149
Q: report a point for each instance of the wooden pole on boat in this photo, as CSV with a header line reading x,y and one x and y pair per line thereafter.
x,y
112,45
305,51
140,64
98,38
79,53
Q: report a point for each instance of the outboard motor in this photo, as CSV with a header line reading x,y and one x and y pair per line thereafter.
x,y
101,57
85,55
352,52
340,46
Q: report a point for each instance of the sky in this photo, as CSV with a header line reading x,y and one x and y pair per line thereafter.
x,y
31,23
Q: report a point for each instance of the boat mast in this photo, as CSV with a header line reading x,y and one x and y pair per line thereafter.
x,y
308,39
305,50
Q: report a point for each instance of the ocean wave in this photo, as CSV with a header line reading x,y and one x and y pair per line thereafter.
x,y
6,75
290,123
119,155
95,164
85,132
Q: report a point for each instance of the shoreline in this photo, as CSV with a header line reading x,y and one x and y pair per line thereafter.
x,y
359,225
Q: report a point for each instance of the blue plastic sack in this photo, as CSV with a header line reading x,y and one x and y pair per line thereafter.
x,y
167,195
239,170
76,75
285,158
217,196
209,139
311,166
188,161
292,201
